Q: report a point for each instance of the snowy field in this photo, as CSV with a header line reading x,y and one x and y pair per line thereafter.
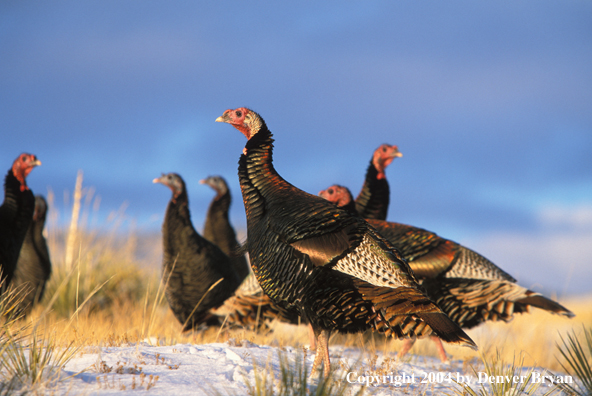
x,y
227,368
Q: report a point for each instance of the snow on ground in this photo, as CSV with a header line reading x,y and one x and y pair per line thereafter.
x,y
225,368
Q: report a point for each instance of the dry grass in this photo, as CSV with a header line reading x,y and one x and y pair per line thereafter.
x,y
107,296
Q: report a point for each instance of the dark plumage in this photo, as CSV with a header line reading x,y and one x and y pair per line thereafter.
x,y
191,264
16,214
34,266
249,307
218,229
320,261
373,200
467,286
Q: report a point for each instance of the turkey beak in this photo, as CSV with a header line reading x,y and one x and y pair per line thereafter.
x,y
35,163
224,117
396,153
206,182
158,179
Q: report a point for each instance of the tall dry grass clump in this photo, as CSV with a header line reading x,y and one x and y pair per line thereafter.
x,y
29,357
94,266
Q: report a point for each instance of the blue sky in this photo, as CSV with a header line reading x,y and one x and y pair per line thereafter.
x,y
489,102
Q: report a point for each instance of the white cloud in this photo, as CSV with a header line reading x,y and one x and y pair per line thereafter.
x,y
554,262
574,217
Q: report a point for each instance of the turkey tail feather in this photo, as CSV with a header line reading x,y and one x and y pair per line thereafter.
x,y
542,302
447,330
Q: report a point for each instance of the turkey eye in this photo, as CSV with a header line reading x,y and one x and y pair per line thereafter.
x,y
239,113
330,191
384,149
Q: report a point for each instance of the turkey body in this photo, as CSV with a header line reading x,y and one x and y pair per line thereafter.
x,y
219,231
34,265
197,274
314,259
16,214
468,287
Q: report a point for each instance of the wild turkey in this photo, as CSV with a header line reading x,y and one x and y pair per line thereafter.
x,y
191,264
464,284
319,261
373,200
16,214
34,266
217,228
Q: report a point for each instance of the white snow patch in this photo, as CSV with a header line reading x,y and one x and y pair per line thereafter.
x,y
210,369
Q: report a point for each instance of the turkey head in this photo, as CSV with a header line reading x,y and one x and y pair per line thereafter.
x,y
383,156
22,166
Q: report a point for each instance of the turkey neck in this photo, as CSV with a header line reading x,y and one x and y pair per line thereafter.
x,y
18,205
219,231
350,207
257,176
264,190
177,230
217,228
373,200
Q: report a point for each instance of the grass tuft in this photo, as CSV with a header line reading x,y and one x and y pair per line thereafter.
x,y
28,358
578,361
497,367
295,380
36,361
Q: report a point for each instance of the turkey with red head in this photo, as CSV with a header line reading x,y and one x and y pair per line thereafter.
x,y
34,266
16,214
467,286
319,261
373,200
218,229
197,274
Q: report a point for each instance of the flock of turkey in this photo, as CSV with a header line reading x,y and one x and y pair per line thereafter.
x,y
329,261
